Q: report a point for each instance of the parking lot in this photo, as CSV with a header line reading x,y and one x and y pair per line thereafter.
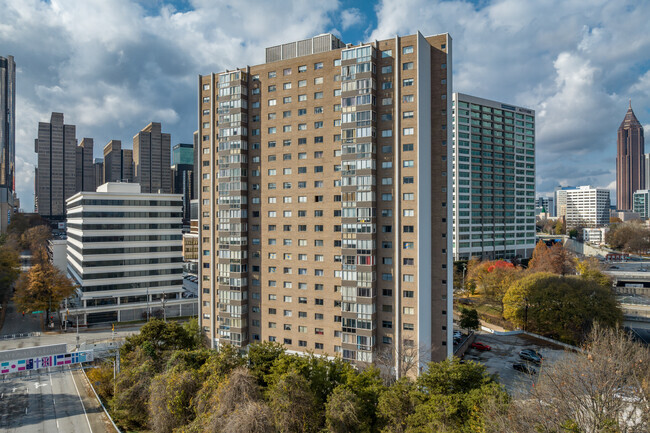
x,y
505,352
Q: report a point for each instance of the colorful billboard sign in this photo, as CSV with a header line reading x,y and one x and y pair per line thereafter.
x,y
35,363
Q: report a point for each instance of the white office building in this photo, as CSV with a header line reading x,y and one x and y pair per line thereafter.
x,y
641,203
595,235
587,206
124,250
494,179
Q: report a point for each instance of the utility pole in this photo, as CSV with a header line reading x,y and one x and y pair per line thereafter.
x,y
526,315
77,331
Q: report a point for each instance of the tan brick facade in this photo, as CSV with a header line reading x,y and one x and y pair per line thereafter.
x,y
339,237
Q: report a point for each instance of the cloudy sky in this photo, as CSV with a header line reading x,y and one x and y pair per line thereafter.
x,y
114,66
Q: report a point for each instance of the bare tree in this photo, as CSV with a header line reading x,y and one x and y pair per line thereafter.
x,y
408,353
605,388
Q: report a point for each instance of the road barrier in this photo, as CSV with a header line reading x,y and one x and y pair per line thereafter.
x,y
25,335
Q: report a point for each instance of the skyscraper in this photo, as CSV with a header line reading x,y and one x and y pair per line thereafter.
x,y
99,172
7,139
630,170
7,122
325,183
183,176
151,159
494,179
118,163
85,168
56,177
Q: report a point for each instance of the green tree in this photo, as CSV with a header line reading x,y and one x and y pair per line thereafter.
x,y
469,319
130,403
560,307
396,405
170,395
560,227
343,412
158,339
294,405
261,357
631,237
43,287
9,270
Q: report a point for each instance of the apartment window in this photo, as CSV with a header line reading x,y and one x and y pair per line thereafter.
x,y
408,131
408,98
407,49
286,100
408,196
271,88
408,293
408,278
302,126
409,229
318,110
408,245
318,65
386,69
271,74
302,68
407,147
408,179
318,125
272,102
407,66
407,82
408,163
387,133
387,85
302,98
386,53
318,95
386,101
286,86
407,115
286,114
287,71
318,80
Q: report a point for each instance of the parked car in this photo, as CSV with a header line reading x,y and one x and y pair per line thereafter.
x,y
458,334
524,368
534,352
480,346
528,356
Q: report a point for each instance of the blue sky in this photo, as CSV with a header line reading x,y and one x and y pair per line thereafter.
x,y
113,67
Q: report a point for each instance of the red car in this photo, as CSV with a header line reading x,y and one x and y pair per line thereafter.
x,y
480,346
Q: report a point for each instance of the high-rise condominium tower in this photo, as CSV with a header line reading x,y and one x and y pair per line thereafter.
x,y
494,179
325,211
7,138
182,171
630,173
151,159
56,173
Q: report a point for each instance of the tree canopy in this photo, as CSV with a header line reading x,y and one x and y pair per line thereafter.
x,y
631,237
561,307
41,288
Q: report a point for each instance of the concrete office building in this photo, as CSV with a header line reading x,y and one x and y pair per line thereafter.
x,y
99,172
118,163
124,251
630,160
85,170
56,175
182,171
560,200
587,206
151,159
494,179
642,203
7,140
325,184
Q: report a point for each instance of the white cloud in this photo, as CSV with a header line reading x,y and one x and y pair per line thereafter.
x,y
350,17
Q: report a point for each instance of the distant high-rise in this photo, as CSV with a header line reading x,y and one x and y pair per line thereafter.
x,y
494,217
118,163
85,168
183,176
99,172
56,177
587,206
7,122
7,139
630,173
151,159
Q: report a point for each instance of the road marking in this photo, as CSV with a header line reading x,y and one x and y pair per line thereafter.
x,y
81,401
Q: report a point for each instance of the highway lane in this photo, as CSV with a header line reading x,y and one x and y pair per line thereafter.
x,y
47,401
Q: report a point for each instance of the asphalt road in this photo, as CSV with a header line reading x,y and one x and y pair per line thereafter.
x,y
46,401
16,323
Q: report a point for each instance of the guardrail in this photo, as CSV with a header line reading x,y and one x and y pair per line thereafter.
x,y
25,335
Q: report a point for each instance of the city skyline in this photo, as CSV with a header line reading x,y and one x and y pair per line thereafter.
x,y
577,80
